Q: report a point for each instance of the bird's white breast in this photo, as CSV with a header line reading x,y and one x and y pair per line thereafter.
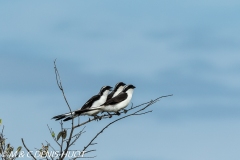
x,y
98,103
118,91
119,106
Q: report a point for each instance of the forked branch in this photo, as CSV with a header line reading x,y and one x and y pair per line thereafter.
x,y
136,113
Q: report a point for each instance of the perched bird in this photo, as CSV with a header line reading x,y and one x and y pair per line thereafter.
x,y
117,89
93,102
116,103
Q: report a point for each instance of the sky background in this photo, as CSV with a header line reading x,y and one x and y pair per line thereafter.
x,y
190,49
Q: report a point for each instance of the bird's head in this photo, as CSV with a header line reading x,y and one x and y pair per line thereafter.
x,y
105,90
129,87
119,86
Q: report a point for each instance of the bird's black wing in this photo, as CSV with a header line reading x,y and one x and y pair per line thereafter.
x,y
110,95
90,102
119,98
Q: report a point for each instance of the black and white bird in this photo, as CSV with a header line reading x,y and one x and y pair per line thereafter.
x,y
117,89
93,102
118,102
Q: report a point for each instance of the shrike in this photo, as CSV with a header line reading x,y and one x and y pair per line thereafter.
x,y
117,103
93,102
117,89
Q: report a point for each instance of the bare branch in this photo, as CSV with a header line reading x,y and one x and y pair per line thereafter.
x,y
132,114
82,153
28,149
113,114
59,83
84,157
149,102
61,147
52,149
137,114
90,120
77,136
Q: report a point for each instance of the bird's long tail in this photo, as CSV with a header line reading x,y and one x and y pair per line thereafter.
x,y
69,116
61,116
79,112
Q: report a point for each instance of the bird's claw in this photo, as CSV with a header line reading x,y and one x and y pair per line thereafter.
x,y
96,118
110,116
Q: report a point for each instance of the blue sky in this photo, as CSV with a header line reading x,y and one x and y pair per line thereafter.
x,y
186,48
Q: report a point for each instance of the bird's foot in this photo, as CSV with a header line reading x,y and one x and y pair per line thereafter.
x,y
96,117
118,113
125,111
110,116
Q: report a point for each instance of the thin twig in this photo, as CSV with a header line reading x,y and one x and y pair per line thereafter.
x,y
59,83
77,136
50,130
52,149
113,114
82,154
90,120
61,147
132,114
137,114
28,149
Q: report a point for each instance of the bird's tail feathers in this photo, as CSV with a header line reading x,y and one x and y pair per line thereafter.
x,y
87,110
68,118
61,116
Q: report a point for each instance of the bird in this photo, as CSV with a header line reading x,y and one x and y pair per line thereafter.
x,y
94,101
116,103
117,89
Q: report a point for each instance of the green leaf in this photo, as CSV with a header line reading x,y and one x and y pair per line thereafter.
x,y
53,134
0,121
59,135
19,149
64,134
